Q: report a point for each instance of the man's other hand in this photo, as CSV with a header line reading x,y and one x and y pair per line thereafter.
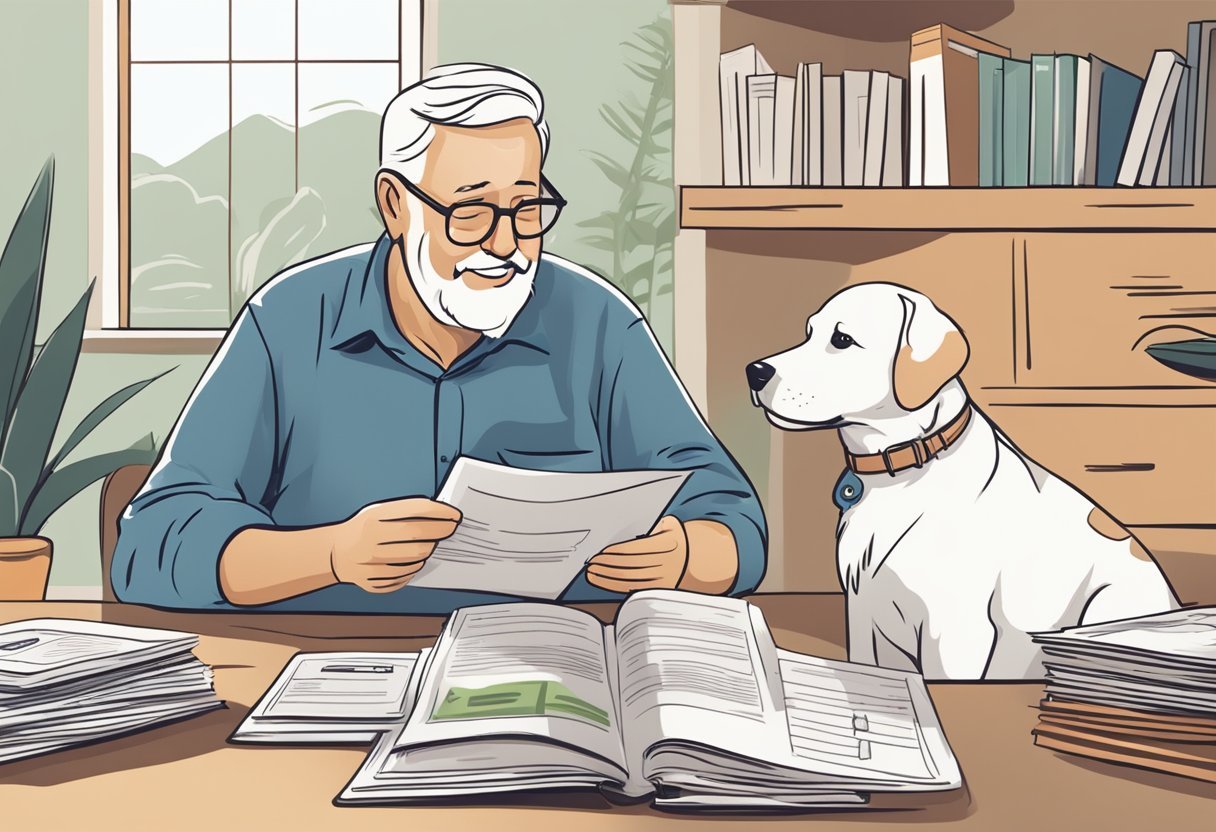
x,y
656,561
384,544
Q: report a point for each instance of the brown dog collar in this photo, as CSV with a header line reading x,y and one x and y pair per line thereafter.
x,y
913,454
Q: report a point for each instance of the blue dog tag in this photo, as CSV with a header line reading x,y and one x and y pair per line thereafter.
x,y
847,491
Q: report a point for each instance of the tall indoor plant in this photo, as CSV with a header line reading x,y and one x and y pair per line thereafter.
x,y
34,384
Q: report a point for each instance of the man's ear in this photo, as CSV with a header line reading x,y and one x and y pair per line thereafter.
x,y
931,351
391,201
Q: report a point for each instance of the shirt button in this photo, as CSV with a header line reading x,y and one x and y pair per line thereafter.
x,y
443,458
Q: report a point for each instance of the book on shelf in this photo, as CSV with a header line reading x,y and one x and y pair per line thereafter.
x,y
761,104
65,683
833,124
991,120
944,124
1139,691
683,699
1200,118
856,108
808,125
1081,121
1016,127
1145,140
733,69
1064,114
893,149
1042,118
877,105
1113,93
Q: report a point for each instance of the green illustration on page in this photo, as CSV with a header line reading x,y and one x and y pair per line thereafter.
x,y
530,698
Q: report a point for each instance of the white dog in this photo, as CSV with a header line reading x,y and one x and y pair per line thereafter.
x,y
952,545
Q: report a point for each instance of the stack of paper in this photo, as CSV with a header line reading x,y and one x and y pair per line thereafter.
x,y
1140,691
66,683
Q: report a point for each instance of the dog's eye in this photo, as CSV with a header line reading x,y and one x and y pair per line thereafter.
x,y
841,341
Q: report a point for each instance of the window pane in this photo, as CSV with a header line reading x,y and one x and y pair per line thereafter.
x,y
270,229
351,30
340,109
181,30
263,30
179,195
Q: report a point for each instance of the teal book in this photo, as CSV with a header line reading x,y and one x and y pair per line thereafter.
x,y
1115,92
1042,121
1065,119
1015,125
992,131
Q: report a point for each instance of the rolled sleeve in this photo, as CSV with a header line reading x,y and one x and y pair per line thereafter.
x,y
208,485
653,424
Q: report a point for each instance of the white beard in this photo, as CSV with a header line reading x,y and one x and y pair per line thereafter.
x,y
451,301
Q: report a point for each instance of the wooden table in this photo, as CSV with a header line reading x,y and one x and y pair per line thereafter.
x,y
185,776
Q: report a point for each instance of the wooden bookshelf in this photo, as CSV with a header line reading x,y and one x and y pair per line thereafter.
x,y
949,209
1058,289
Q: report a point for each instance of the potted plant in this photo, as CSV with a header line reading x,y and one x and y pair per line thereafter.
x,y
34,384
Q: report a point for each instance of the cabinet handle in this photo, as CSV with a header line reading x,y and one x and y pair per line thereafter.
x,y
1120,468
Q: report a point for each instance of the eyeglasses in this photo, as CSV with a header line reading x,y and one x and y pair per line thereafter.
x,y
472,223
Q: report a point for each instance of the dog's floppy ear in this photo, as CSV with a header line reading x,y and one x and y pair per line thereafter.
x,y
932,350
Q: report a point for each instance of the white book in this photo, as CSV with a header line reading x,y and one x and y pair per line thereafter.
x,y
783,131
1156,169
733,69
1081,124
893,162
833,132
876,128
807,167
332,698
1151,119
761,102
530,533
533,697
855,106
928,154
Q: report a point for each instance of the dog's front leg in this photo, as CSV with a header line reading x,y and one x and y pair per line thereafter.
x,y
957,649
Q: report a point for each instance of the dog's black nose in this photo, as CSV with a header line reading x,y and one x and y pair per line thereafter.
x,y
759,374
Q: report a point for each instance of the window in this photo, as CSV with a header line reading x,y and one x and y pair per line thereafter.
x,y
247,139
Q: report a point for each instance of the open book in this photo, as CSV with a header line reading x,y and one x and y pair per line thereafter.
x,y
684,697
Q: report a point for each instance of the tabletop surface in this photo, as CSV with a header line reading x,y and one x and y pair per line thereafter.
x,y
186,776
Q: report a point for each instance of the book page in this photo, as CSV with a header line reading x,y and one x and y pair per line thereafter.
x,y
864,723
697,668
345,686
503,670
530,533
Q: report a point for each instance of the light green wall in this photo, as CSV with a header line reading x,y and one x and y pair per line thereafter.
x,y
44,96
574,53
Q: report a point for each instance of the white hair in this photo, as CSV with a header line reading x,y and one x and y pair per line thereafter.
x,y
464,95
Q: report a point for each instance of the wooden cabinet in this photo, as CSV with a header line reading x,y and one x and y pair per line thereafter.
x,y
1058,289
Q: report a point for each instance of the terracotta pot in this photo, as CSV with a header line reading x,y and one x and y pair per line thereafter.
x,y
25,564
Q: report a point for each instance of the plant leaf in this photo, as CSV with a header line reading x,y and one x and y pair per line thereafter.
x,y
619,126
40,402
601,242
611,168
606,221
8,504
21,267
65,483
98,415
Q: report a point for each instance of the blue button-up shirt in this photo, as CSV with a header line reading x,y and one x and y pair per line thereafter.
x,y
316,405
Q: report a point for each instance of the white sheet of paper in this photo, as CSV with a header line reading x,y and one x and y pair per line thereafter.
x,y
529,533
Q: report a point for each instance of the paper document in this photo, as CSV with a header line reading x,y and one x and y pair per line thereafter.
x,y
332,697
530,533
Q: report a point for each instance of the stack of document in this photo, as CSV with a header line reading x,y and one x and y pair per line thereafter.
x,y
1140,691
66,683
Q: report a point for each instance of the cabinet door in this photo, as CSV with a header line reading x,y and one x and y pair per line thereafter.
x,y
1089,305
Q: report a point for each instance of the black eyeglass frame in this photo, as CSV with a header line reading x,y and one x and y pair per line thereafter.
x,y
555,201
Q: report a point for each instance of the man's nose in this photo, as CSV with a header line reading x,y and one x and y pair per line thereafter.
x,y
502,242
759,374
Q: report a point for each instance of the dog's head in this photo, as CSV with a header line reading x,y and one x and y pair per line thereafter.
x,y
872,351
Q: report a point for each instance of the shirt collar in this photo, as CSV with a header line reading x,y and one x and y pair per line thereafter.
x,y
364,313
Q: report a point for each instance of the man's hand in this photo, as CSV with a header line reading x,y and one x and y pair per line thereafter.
x,y
656,561
699,555
385,544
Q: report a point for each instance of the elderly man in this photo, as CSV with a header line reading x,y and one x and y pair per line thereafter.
x,y
299,476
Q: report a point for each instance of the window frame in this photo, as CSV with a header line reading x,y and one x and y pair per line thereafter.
x,y
109,157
